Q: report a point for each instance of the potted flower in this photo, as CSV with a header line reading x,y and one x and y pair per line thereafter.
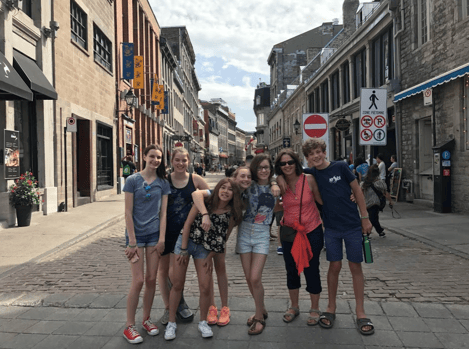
x,y
23,195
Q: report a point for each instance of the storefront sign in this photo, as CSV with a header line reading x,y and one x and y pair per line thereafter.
x,y
12,154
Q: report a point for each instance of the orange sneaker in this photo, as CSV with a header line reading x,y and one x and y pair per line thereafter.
x,y
212,316
224,318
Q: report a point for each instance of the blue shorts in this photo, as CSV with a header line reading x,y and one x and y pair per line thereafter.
x,y
145,240
253,238
196,251
353,245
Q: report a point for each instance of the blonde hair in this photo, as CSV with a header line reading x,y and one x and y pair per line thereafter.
x,y
313,143
180,150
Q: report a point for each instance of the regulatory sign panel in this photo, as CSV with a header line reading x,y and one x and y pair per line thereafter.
x,y
373,116
71,124
316,126
286,142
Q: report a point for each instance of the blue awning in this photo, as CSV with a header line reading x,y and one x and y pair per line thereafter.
x,y
439,80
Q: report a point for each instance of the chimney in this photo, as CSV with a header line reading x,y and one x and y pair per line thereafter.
x,y
349,10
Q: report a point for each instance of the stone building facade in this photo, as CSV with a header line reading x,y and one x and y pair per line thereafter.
x,y
27,101
431,43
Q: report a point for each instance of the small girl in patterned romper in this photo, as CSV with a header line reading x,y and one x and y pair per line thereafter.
x,y
225,211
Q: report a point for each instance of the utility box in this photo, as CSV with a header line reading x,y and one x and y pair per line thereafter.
x,y
442,176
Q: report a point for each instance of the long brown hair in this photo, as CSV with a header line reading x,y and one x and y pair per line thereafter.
x,y
294,156
161,170
235,203
371,176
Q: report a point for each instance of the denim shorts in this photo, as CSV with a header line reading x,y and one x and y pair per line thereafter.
x,y
353,245
253,238
196,251
145,240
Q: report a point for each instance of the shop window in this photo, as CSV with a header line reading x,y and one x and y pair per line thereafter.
x,y
102,49
78,22
104,157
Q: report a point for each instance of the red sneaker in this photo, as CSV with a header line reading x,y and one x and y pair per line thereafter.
x,y
212,316
132,335
150,327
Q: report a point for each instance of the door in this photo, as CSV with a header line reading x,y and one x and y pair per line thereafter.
x,y
425,154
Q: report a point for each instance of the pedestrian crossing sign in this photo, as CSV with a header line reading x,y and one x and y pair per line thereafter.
x,y
373,116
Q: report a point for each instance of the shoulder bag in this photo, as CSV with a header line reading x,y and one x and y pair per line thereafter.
x,y
288,233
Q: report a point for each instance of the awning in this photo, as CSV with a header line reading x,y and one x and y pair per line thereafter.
x,y
33,76
11,85
223,156
439,80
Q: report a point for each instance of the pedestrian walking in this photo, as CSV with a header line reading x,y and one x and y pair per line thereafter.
x,y
182,185
254,238
225,210
381,166
361,168
343,224
300,252
373,185
146,198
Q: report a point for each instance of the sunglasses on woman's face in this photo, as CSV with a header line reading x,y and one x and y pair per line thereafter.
x,y
285,163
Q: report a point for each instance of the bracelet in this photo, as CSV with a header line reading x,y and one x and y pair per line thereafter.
x,y
365,217
205,214
184,253
130,246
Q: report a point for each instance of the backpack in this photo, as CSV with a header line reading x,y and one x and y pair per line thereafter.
x,y
126,171
381,197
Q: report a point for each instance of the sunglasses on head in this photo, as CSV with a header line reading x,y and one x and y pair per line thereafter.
x,y
289,162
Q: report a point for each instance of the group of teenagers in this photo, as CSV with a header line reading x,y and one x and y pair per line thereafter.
x,y
172,217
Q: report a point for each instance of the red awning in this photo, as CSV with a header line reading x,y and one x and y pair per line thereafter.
x,y
258,151
224,156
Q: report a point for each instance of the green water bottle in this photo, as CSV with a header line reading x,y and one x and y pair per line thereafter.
x,y
367,254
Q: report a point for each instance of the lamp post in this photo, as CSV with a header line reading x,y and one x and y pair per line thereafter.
x,y
130,98
297,126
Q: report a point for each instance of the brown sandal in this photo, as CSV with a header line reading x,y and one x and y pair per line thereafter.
x,y
251,318
252,330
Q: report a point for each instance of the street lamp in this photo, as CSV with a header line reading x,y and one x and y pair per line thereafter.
x,y
297,126
130,98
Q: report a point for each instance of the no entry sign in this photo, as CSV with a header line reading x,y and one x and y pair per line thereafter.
x,y
316,126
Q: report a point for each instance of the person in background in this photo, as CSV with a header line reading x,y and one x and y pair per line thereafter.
x,y
128,167
361,168
278,213
146,198
372,199
393,164
381,166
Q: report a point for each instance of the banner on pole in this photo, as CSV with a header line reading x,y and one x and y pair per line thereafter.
x,y
128,60
138,73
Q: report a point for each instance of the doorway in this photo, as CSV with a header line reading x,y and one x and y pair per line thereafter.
x,y
82,187
425,155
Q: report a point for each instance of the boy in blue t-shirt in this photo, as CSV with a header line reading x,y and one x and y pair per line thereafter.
x,y
343,223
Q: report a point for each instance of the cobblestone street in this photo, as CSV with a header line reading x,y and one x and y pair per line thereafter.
x,y
403,269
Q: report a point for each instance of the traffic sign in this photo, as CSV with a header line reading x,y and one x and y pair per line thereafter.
x,y
446,155
315,126
286,142
373,112
71,124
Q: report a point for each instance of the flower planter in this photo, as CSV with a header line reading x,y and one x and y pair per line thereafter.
x,y
23,215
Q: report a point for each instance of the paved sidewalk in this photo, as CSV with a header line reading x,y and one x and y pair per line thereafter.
x,y
50,233
95,321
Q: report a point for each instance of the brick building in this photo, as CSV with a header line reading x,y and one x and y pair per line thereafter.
x,y
432,50
140,125
26,101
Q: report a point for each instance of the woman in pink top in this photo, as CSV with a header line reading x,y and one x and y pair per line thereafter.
x,y
301,255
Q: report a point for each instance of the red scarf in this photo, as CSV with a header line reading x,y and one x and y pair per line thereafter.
x,y
301,249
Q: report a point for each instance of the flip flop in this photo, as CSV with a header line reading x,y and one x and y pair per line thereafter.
x,y
289,317
313,318
365,322
252,330
327,316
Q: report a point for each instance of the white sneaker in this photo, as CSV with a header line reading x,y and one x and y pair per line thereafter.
x,y
170,332
205,329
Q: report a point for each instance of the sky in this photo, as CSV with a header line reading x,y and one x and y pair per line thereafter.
x,y
233,39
